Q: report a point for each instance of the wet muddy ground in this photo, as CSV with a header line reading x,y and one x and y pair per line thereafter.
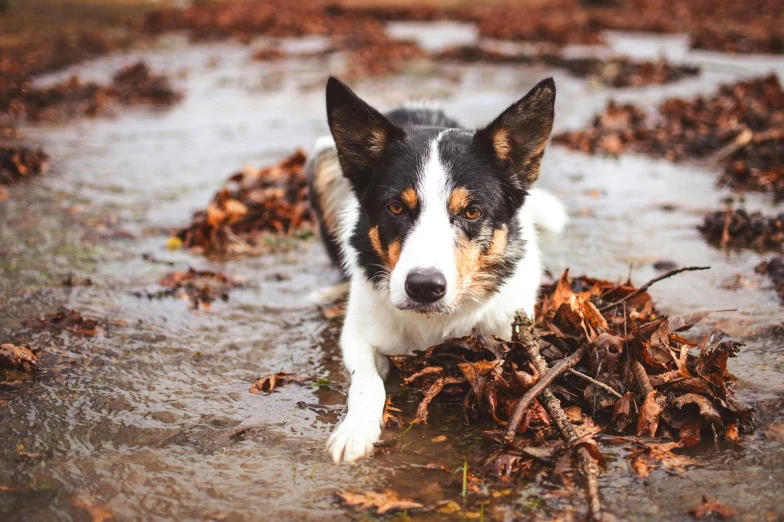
x,y
152,418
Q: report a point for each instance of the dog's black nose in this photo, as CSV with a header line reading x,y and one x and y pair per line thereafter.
x,y
426,286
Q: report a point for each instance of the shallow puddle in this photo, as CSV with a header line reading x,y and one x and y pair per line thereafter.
x,y
154,420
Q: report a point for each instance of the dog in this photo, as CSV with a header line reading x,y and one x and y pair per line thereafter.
x,y
433,227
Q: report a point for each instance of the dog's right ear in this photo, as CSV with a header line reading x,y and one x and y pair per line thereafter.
x,y
361,133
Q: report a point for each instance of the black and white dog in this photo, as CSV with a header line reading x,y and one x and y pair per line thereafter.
x,y
433,225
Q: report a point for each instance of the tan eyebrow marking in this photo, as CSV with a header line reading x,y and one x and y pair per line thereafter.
x,y
409,197
458,200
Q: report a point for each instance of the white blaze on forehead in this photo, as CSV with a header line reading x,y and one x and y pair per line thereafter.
x,y
431,242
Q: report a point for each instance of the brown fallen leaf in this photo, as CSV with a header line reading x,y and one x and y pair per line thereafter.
x,y
390,419
383,502
711,508
17,358
650,412
774,432
683,322
270,382
96,512
659,455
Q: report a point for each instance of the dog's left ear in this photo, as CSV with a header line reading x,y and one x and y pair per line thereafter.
x,y
361,133
519,135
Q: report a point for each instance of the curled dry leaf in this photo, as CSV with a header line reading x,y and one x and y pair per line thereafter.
x,y
383,502
391,414
712,508
17,358
70,320
200,287
650,412
97,512
270,382
659,455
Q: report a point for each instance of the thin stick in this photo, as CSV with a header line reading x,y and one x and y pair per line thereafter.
x,y
522,332
544,381
600,384
647,285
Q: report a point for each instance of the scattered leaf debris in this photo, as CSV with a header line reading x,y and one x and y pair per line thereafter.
x,y
200,287
70,320
671,388
252,204
384,502
741,229
270,382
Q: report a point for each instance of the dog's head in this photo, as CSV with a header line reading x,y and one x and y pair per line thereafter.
x,y
438,224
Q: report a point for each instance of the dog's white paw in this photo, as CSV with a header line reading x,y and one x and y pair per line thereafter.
x,y
353,439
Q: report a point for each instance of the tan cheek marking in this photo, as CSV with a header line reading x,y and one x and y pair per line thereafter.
x,y
389,257
497,248
466,259
409,197
501,144
472,262
458,200
393,254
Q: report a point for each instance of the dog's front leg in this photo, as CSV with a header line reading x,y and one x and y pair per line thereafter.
x,y
354,437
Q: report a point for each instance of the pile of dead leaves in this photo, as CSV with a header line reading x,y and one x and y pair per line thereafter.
x,y
774,269
200,287
740,126
637,376
18,163
270,382
739,228
252,204
70,320
613,72
132,85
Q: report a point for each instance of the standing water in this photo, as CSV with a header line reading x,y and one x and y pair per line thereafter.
x,y
152,418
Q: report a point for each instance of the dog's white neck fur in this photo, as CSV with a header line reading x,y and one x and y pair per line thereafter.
x,y
375,326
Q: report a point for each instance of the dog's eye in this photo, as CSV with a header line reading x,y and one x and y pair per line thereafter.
x,y
472,212
395,208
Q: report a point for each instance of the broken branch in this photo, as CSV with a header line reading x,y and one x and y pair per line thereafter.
x,y
536,390
522,332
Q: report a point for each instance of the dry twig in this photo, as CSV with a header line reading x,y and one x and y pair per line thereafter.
x,y
647,285
522,330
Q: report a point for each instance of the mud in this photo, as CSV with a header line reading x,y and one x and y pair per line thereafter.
x,y
154,420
